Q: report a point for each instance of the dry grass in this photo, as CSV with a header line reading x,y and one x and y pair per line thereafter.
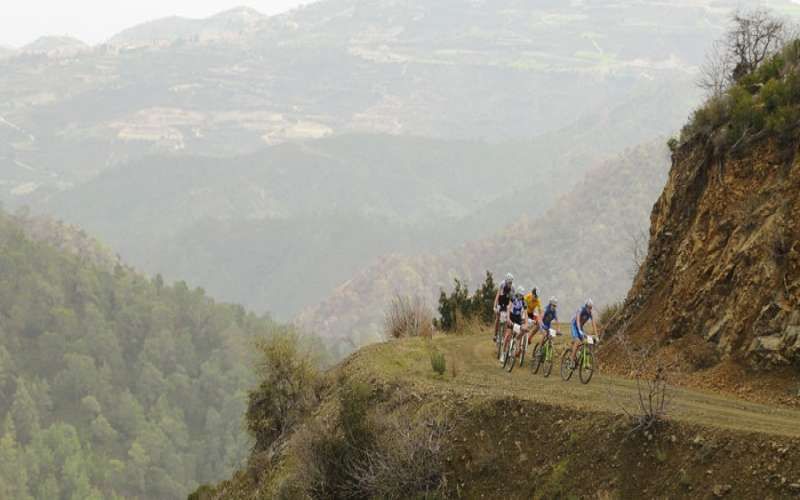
x,y
408,317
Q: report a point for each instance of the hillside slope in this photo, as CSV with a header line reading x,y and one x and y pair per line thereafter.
x,y
721,283
112,385
580,247
723,268
477,431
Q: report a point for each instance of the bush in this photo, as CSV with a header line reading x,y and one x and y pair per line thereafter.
x,y
438,363
653,390
459,308
286,392
609,313
329,456
409,460
407,317
673,144
363,454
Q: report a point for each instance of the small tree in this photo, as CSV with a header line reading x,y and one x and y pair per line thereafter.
x,y
460,306
653,392
483,300
286,391
457,306
752,38
638,241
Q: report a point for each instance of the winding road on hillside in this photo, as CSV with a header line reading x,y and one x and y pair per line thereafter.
x,y
479,375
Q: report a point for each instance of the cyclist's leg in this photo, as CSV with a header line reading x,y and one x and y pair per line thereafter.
x,y
576,340
506,339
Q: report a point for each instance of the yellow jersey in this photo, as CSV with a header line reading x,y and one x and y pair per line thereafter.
x,y
532,304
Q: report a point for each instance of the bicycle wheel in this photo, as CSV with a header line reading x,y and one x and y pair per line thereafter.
x,y
511,356
536,361
523,348
566,371
547,361
586,369
499,339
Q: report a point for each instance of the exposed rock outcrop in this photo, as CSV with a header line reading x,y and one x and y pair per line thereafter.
x,y
723,267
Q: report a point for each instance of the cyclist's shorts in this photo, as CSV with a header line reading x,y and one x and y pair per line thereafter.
x,y
576,333
517,320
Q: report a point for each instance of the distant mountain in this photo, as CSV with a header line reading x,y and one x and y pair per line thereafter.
x,y
55,46
226,25
582,247
497,71
310,121
7,51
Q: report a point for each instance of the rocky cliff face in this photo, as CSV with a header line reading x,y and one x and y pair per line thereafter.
x,y
722,276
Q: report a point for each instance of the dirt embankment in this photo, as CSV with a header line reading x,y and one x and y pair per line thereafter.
x,y
490,434
720,288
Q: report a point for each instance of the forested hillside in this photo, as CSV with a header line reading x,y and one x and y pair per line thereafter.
x,y
112,384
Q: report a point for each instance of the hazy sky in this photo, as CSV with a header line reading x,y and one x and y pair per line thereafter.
x,y
94,21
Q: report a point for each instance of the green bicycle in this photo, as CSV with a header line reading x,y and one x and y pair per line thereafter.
x,y
543,355
586,364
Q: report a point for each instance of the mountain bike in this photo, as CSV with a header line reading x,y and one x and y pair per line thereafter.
x,y
533,329
585,365
543,354
499,332
517,347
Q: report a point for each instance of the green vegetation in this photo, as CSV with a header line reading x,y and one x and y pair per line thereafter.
x,y
764,103
459,306
338,442
112,384
438,363
287,390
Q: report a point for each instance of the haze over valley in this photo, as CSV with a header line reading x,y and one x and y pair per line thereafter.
x,y
200,214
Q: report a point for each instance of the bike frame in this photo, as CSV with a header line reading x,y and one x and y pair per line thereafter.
x,y
584,357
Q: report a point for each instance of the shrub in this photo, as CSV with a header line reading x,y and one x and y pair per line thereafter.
x,y
409,460
438,363
653,392
459,307
328,456
609,313
408,317
285,393
673,144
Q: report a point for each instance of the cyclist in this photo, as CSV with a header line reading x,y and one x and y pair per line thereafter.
x,y
533,306
503,298
582,316
517,315
550,316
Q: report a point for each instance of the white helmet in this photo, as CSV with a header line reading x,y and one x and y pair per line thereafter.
x,y
535,291
521,290
553,301
589,303
509,277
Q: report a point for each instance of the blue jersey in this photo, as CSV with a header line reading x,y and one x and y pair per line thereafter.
x,y
549,316
582,316
517,306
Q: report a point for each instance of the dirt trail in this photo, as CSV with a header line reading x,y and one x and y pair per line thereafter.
x,y
478,374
